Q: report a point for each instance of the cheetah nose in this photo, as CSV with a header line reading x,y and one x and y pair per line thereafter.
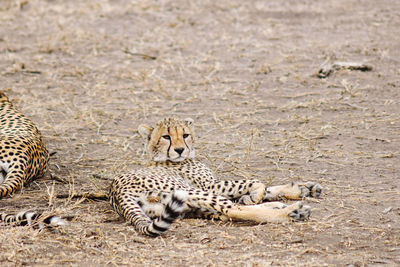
x,y
179,150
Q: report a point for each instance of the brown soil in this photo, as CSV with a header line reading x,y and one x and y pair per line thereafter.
x,y
89,72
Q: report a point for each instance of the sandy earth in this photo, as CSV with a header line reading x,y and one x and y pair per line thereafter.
x,y
89,72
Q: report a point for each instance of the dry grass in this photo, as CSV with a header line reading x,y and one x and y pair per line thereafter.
x,y
89,72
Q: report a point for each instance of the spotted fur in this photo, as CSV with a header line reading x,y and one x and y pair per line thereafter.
x,y
148,196
23,158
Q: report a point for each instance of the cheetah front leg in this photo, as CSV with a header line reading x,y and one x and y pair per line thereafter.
x,y
261,213
278,212
195,213
293,191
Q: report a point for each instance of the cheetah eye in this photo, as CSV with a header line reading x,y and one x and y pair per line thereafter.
x,y
186,135
166,137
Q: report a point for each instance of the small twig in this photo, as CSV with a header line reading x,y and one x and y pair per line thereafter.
x,y
99,125
50,192
327,68
87,195
32,71
58,179
144,56
98,176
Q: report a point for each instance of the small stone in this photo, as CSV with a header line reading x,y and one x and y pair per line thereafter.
x,y
387,210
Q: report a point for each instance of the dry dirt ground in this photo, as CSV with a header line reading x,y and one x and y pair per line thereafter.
x,y
89,72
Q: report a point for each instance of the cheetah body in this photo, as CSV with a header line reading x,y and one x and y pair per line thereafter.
x,y
23,157
174,183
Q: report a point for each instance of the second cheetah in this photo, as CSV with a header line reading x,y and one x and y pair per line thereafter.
x,y
23,158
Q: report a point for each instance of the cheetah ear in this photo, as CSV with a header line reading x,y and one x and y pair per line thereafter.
x,y
145,131
3,97
189,121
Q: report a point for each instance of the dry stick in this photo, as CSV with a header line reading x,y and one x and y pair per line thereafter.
x,y
327,68
98,176
50,192
58,179
140,55
87,195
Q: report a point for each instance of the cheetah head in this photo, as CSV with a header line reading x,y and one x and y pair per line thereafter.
x,y
170,140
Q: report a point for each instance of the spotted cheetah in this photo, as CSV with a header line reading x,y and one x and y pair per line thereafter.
x,y
23,158
175,184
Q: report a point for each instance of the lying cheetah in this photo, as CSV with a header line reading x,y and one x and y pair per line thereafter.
x,y
23,158
174,184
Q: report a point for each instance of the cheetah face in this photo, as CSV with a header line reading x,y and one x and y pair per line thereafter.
x,y
170,140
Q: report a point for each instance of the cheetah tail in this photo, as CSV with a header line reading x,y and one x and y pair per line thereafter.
x,y
172,211
31,218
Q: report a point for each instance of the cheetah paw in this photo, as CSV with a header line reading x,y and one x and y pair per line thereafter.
x,y
310,189
302,213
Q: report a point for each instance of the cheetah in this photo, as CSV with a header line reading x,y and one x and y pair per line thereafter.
x,y
174,184
23,158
